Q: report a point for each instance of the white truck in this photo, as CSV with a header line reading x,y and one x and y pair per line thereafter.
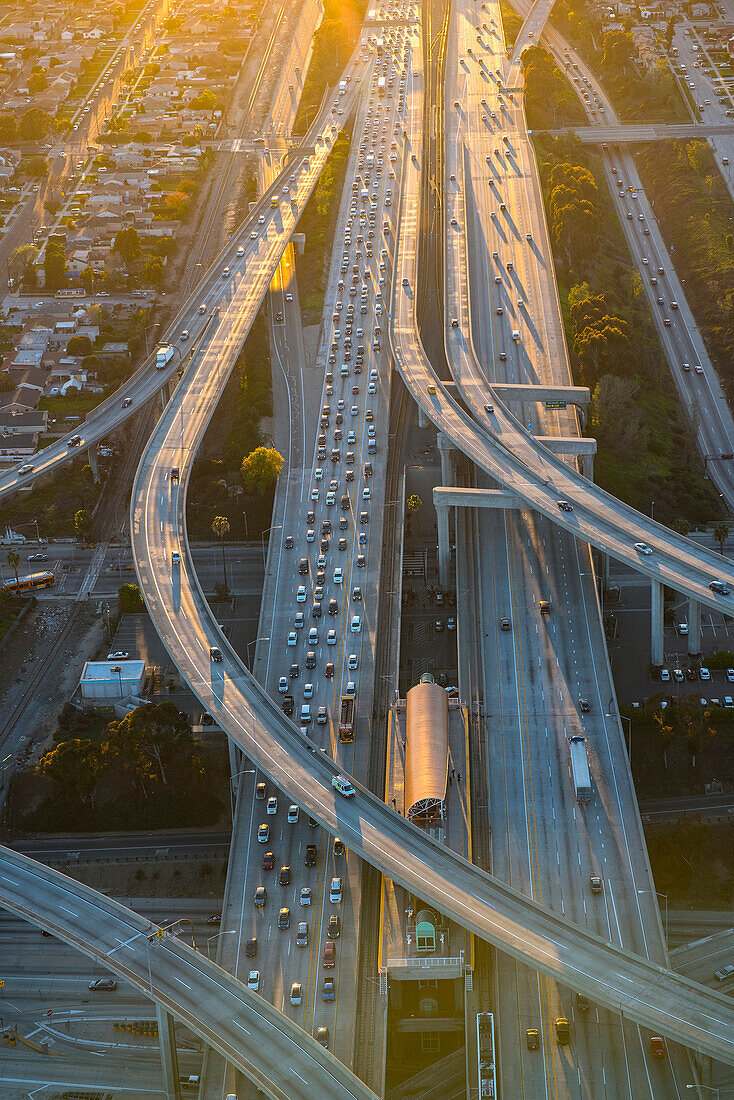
x,y
163,355
580,768
342,87
381,86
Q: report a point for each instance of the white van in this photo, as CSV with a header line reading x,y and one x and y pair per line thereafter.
x,y
335,891
305,713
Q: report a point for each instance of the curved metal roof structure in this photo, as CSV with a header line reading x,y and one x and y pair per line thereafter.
x,y
426,752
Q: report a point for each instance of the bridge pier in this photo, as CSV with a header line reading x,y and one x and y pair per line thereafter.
x,y
169,1056
694,628
93,456
444,544
588,468
445,450
657,649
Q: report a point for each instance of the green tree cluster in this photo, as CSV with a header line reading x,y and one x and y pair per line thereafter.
x,y
129,599
34,125
260,469
549,98
600,337
574,211
127,245
54,264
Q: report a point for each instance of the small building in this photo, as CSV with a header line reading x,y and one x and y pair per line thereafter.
x,y
105,681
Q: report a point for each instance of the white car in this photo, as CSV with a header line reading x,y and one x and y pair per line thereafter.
x,y
356,625
283,685
272,805
253,980
305,897
301,594
353,661
331,637
118,655
338,575
292,814
643,548
318,474
292,638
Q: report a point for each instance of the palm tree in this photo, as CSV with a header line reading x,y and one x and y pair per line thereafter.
x,y
220,527
13,560
721,534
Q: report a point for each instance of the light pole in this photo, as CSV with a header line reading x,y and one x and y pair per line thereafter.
x,y
660,894
254,642
244,771
623,718
227,932
247,536
275,527
118,670
155,324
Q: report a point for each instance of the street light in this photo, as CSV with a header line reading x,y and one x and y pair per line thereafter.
x,y
227,932
252,643
660,894
624,718
118,670
275,527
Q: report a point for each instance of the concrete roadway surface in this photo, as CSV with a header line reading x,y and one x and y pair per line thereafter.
x,y
483,905
265,226
535,675
224,1012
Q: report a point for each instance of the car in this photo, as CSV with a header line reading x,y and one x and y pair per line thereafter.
x,y
338,575
451,623
334,926
38,557
75,441
338,846
678,675
301,594
505,624
292,638
691,674
176,560
263,833
268,861
720,975
284,918
321,1035
261,896
582,1002
432,390
341,784
730,675
296,994
357,593
288,542
596,884
322,716
720,588
251,947
293,812
118,655
699,370
704,673
272,805
302,934
260,791
584,706
215,918
643,548
564,505
253,980
329,956
284,875
664,676
305,897
313,636
125,405
356,625
103,985
329,992
352,661
657,1046
216,654
532,1038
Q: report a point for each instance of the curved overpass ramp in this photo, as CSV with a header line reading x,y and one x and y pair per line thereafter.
x,y
216,1006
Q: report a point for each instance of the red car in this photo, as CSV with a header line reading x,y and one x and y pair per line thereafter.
x,y
657,1046
268,861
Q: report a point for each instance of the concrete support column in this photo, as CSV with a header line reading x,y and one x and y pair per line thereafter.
x,y
589,467
657,649
169,1057
694,627
444,544
164,397
422,418
445,450
93,456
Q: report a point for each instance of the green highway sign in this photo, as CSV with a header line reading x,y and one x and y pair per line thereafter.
x,y
555,404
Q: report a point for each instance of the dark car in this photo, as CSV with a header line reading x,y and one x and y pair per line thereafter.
x,y
287,704
338,846
284,917
584,706
216,654
261,896
532,1038
268,861
582,1002
284,877
251,947
505,624
303,566
311,855
215,918
334,926
329,669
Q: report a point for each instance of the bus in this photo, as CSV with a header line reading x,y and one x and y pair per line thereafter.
x,y
29,583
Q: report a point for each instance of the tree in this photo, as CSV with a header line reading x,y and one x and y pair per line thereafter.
x,y
681,525
82,522
414,502
220,527
260,469
205,101
150,741
721,534
54,265
153,271
36,166
129,599
37,82
34,125
8,129
7,385
74,768
127,245
22,261
13,559
79,345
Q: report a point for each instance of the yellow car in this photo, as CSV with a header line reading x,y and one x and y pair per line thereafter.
x,y
432,389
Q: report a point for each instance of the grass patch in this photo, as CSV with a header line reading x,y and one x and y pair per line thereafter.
x,y
695,211
54,500
693,862
318,223
550,101
646,448
73,404
10,606
332,45
510,20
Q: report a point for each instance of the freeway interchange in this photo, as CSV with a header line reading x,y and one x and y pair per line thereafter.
x,y
500,445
